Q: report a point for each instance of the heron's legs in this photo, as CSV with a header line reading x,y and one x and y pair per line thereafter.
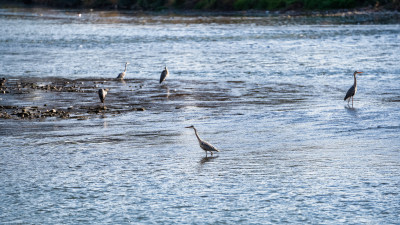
x,y
352,97
211,153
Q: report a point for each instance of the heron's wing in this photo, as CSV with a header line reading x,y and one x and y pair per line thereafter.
x,y
101,95
349,93
121,75
163,76
208,147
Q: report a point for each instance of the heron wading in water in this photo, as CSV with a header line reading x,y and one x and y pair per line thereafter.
x,y
102,95
122,75
352,91
164,74
207,147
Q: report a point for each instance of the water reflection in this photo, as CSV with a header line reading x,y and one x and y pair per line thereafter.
x,y
122,81
351,110
105,122
167,92
206,159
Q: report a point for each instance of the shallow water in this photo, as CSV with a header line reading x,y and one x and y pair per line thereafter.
x,y
267,91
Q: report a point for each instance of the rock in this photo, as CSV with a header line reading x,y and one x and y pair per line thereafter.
x,y
23,115
5,115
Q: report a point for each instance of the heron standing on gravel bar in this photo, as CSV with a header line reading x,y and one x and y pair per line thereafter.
x,y
102,95
2,81
164,74
122,75
207,147
352,91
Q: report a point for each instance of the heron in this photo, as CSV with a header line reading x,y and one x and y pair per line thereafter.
x,y
352,91
122,75
164,74
2,81
102,94
207,147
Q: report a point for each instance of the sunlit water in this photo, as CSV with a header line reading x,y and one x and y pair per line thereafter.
x,y
267,91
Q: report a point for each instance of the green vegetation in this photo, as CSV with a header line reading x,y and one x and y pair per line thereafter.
x,y
221,4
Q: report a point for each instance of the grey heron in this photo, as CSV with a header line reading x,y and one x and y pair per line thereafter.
x,y
122,75
353,90
207,147
102,94
2,81
164,74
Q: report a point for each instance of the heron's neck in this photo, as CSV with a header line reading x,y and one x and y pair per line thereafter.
x,y
355,80
125,67
197,135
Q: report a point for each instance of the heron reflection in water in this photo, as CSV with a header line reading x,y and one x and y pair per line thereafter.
x,y
207,159
122,75
207,147
102,95
353,90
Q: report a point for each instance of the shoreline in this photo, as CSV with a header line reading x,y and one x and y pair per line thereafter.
x,y
327,17
210,12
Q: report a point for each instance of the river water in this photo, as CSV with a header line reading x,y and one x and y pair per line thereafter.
x,y
267,91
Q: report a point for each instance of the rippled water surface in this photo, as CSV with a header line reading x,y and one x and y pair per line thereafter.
x,y
267,91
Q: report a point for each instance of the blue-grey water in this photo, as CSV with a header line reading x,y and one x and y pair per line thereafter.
x,y
267,91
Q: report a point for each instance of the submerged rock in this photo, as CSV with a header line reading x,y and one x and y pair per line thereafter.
x,y
5,115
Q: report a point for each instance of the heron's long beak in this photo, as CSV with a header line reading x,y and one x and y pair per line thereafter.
x,y
360,72
189,127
